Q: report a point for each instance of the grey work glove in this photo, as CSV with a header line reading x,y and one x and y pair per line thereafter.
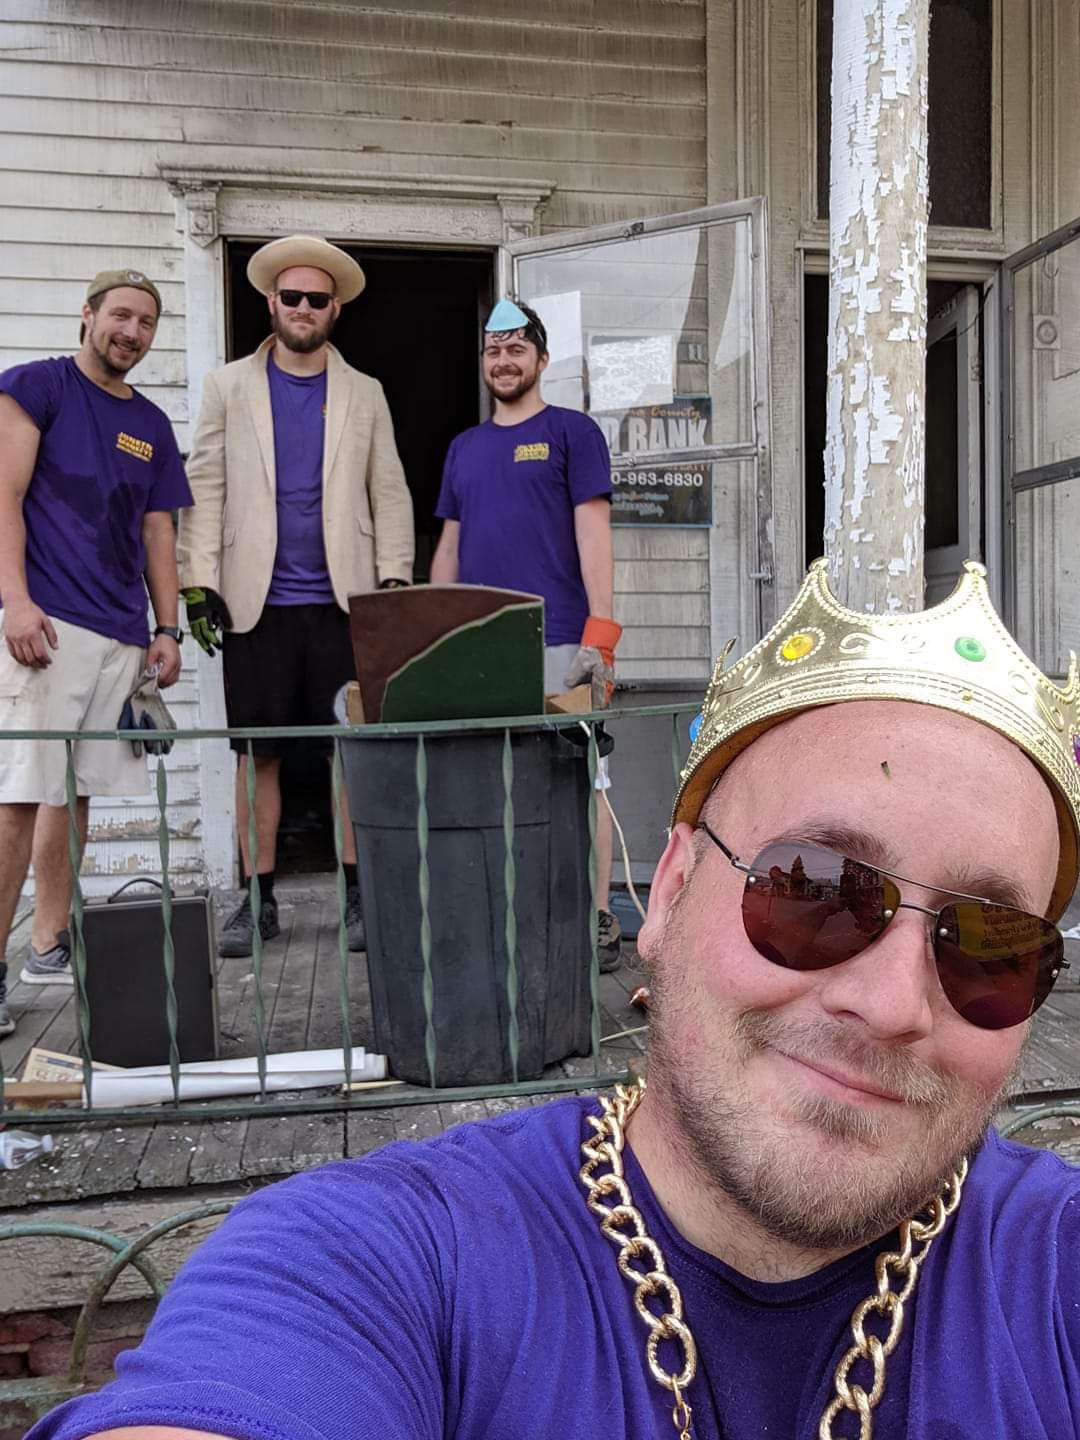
x,y
589,665
144,709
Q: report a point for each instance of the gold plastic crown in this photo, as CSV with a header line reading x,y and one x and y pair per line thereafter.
x,y
957,655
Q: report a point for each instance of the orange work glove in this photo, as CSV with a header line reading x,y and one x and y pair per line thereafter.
x,y
595,660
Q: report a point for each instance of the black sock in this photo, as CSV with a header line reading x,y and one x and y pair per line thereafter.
x,y
351,879
266,885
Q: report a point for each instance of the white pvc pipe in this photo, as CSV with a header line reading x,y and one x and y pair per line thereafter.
x,y
207,1079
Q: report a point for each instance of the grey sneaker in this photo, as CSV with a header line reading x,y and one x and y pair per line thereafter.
x,y
238,936
7,1024
52,968
609,942
354,919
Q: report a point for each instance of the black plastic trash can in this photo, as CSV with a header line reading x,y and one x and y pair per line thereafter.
x,y
467,901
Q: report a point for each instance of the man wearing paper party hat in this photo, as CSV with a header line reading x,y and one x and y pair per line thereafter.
x,y
526,505
805,1226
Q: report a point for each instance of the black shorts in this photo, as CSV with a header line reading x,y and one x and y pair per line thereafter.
x,y
287,671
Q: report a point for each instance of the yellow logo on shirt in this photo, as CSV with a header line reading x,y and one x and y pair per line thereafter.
x,y
531,452
141,449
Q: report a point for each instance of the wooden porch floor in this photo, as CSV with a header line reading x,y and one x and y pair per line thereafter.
x,y
301,987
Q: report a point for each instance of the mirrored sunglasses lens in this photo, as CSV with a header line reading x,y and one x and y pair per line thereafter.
x,y
997,965
807,909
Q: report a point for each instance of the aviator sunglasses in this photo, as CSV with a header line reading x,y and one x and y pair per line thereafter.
x,y
808,908
317,299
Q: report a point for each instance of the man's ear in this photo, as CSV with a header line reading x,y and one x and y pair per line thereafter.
x,y
672,872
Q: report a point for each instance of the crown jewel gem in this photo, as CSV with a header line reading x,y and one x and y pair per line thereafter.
x,y
798,646
968,648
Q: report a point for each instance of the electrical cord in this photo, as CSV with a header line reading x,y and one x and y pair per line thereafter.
x,y
622,837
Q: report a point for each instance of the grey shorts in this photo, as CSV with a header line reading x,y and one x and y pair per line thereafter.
x,y
83,689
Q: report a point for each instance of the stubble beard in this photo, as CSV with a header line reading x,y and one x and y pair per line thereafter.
x,y
114,372
305,342
524,385
846,1186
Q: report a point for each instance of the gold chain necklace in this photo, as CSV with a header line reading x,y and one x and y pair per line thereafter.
x,y
642,1263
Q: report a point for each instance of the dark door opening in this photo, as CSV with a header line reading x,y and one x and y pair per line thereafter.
x,y
415,329
946,480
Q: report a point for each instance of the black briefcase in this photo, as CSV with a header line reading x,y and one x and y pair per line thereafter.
x,y
125,977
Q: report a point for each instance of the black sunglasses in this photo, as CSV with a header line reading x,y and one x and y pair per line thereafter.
x,y
317,299
808,908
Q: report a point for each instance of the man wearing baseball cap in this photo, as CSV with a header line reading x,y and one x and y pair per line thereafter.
x,y
89,473
805,1226
301,502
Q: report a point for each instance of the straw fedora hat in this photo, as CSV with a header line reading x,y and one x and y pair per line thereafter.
x,y
268,262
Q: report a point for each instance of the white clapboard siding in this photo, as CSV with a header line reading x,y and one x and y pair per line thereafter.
x,y
662,603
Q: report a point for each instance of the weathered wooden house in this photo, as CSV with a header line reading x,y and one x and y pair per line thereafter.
x,y
466,150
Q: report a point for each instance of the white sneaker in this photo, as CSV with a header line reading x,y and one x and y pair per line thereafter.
x,y
52,968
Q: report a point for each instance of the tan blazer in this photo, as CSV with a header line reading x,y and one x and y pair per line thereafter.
x,y
228,540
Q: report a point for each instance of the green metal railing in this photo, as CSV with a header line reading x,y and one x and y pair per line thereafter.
x,y
24,1401
267,1102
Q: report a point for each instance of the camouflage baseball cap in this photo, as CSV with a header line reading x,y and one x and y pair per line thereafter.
x,y
122,279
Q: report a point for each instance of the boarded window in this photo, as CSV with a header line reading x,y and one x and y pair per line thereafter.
x,y
961,91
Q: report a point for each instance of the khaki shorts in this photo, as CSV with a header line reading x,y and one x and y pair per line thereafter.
x,y
83,689
557,661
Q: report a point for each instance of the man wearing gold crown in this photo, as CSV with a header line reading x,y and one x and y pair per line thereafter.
x,y
805,1227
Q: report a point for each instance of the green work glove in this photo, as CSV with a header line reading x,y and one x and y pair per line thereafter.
x,y
208,616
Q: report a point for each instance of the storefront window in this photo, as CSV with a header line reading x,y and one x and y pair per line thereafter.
x,y
651,334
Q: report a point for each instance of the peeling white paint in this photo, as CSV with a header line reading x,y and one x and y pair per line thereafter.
x,y
874,485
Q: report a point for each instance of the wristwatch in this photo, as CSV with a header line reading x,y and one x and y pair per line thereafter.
x,y
173,630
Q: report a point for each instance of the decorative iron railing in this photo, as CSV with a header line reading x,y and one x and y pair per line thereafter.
x,y
435,968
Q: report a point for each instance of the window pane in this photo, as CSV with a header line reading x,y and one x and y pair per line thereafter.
x,y
942,459
1046,360
1047,573
961,92
651,335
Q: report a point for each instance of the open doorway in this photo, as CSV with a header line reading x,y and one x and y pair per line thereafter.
x,y
415,329
955,484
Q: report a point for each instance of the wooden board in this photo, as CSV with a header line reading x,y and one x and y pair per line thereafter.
x,y
46,1272
486,668
390,628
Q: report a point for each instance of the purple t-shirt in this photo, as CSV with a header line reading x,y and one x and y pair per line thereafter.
x,y
102,463
514,488
298,402
460,1288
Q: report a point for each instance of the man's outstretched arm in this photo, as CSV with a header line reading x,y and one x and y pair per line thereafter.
x,y
316,1299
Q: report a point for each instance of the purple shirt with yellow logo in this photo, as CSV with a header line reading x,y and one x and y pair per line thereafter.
x,y
514,489
102,463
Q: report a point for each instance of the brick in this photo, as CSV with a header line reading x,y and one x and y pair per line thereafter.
x,y
12,1366
52,1357
24,1329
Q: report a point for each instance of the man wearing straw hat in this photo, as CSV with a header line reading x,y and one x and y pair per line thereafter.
x,y
805,1226
301,502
